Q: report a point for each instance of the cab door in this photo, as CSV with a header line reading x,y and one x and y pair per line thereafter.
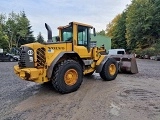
x,y
83,41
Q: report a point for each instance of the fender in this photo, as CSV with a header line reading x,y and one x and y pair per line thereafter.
x,y
50,68
100,66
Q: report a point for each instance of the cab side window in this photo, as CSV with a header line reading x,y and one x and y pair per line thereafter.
x,y
67,34
83,35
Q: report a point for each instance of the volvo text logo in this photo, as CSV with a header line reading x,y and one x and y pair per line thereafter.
x,y
30,52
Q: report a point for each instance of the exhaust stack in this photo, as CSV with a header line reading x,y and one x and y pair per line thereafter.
x,y
49,33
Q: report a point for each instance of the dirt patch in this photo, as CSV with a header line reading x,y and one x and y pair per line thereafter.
x,y
129,97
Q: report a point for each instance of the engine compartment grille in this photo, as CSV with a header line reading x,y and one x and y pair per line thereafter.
x,y
41,57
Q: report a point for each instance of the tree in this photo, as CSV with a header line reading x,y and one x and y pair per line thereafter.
x,y
118,34
17,30
137,27
111,26
116,30
155,26
142,23
40,38
24,34
102,32
11,29
3,41
3,37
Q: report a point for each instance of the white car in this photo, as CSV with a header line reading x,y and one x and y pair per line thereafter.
x,y
116,52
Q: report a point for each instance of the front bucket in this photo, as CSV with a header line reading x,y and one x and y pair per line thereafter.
x,y
127,63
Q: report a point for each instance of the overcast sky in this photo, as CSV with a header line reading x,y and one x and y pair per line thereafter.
x,y
97,13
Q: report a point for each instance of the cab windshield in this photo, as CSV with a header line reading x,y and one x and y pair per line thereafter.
x,y
67,34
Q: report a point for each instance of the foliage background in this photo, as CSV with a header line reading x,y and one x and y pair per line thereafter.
x,y
137,28
15,30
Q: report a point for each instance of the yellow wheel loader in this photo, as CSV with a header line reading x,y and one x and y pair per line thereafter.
x,y
65,62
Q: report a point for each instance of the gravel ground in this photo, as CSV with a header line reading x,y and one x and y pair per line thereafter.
x,y
129,97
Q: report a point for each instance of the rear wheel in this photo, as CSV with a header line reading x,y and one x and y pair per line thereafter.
x,y
67,76
109,70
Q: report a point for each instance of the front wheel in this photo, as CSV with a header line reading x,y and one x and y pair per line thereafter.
x,y
109,70
67,76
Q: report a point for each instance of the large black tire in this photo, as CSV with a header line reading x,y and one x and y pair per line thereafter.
x,y
109,70
67,76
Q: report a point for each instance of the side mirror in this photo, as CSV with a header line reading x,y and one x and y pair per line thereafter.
x,y
94,31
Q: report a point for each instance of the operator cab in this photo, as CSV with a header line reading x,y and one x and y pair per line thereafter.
x,y
77,33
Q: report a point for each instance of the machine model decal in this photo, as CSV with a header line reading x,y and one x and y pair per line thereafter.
x,y
56,48
30,59
30,52
50,50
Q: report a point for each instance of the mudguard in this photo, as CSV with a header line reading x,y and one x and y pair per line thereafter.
x,y
100,66
54,62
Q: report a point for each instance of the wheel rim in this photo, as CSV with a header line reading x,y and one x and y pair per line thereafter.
x,y
71,77
112,69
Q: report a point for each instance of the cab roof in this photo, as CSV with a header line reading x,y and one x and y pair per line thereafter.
x,y
76,23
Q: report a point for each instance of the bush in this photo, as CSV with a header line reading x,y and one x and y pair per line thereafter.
x,y
148,51
157,48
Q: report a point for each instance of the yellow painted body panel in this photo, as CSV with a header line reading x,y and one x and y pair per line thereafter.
x,y
52,51
36,75
82,51
75,34
96,54
82,24
88,70
100,60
